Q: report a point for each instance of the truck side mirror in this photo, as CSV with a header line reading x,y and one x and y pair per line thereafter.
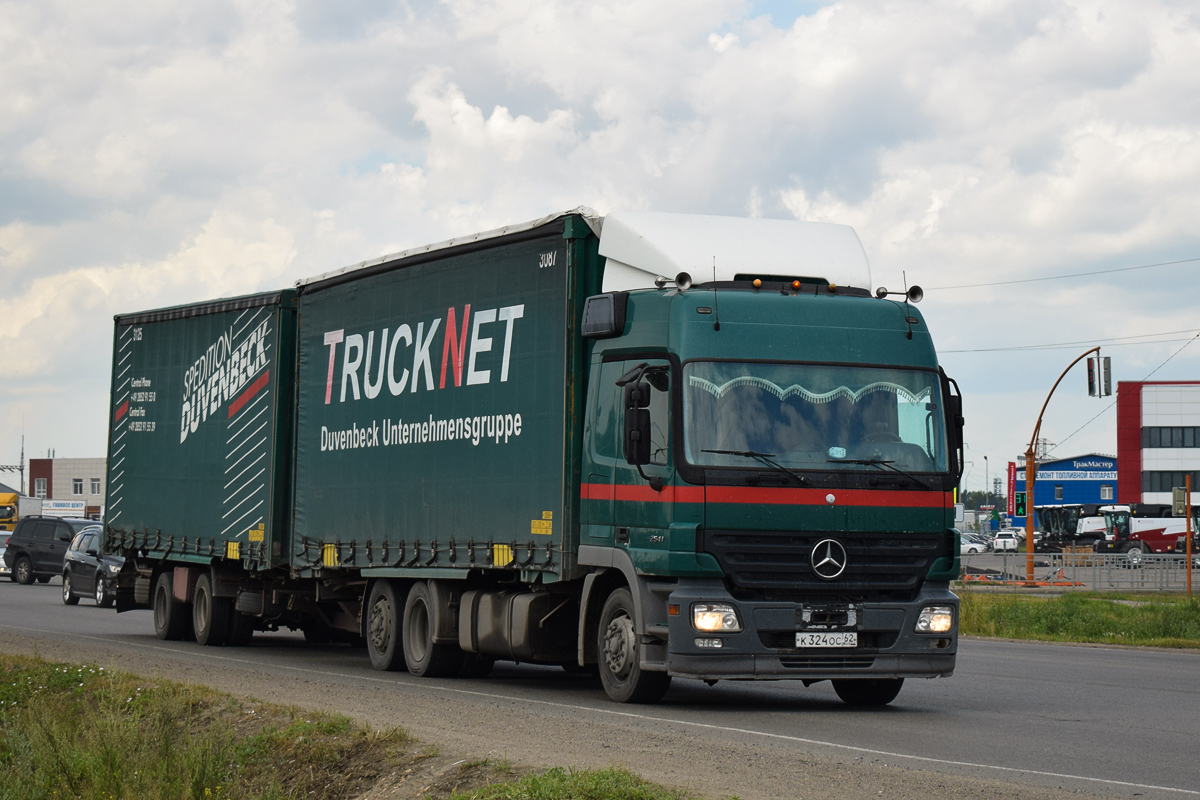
x,y
637,423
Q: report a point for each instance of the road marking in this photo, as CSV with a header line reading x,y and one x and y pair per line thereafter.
x,y
631,715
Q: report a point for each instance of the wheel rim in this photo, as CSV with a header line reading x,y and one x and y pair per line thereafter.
x,y
23,570
619,646
380,624
418,623
101,590
66,587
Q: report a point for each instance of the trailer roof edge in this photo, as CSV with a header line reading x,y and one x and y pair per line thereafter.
x,y
333,277
204,307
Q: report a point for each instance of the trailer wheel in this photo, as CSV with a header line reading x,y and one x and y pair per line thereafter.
x,y
868,691
425,658
620,655
170,615
211,616
68,594
384,643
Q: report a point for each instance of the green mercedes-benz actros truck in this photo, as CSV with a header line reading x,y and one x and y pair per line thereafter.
x,y
648,445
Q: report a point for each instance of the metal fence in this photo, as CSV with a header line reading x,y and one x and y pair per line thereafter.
x,y
1089,572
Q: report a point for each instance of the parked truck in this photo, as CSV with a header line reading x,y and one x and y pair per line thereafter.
x,y
8,510
531,444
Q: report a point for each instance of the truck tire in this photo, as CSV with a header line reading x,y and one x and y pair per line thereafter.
x,y
170,615
426,659
68,593
620,655
384,642
241,629
868,691
212,617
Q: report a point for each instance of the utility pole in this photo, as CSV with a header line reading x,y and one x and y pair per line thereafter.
x,y
19,468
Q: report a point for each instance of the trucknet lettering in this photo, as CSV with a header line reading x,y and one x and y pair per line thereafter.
x,y
357,355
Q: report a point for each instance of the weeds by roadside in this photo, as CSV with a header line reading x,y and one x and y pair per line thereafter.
x,y
602,784
1147,620
84,732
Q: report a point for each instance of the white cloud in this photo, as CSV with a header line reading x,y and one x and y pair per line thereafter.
x,y
157,155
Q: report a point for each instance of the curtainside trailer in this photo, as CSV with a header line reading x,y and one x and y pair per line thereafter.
x,y
648,445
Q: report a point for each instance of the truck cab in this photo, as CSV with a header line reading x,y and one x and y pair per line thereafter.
x,y
770,457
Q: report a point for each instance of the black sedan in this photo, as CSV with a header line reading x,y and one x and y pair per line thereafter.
x,y
87,572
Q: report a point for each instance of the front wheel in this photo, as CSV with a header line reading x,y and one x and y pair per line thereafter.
x,y
103,598
868,691
68,594
620,654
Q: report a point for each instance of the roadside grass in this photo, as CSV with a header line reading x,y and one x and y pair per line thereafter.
x,y
85,732
71,731
559,784
1145,620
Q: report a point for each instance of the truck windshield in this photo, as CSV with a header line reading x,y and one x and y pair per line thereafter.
x,y
7,512
813,416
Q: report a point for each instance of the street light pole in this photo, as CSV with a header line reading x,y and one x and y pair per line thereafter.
x,y
1031,469
987,486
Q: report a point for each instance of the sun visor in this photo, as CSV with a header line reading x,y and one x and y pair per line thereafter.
x,y
641,245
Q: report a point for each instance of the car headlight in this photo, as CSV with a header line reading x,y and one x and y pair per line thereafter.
x,y
935,619
113,569
715,618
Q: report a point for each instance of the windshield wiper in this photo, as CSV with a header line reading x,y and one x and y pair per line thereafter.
x,y
763,458
878,462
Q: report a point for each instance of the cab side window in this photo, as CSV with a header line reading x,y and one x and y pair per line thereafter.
x,y
608,438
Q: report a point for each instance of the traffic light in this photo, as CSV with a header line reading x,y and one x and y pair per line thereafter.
x,y
1099,375
1019,504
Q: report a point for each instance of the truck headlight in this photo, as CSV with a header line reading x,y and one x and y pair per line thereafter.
x,y
715,618
935,619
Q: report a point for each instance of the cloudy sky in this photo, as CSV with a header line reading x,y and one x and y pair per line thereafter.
x,y
153,154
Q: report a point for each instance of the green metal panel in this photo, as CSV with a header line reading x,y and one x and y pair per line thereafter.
x,y
199,429
438,411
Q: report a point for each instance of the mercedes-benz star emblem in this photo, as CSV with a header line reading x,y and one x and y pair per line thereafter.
x,y
828,559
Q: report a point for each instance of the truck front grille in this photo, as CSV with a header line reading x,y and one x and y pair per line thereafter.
x,y
775,564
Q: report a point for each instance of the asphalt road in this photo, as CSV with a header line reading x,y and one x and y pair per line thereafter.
x,y
1016,720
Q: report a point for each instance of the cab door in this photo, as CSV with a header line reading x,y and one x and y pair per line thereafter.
x,y
642,514
603,444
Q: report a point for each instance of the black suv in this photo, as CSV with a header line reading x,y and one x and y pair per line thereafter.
x,y
37,547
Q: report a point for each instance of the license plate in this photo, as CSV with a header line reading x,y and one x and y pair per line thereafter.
x,y
848,639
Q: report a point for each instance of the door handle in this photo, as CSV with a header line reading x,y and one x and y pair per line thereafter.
x,y
622,535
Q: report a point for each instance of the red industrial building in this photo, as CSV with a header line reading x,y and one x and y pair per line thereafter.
x,y
1158,439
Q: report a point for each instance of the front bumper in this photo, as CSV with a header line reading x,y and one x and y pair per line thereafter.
x,y
765,648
